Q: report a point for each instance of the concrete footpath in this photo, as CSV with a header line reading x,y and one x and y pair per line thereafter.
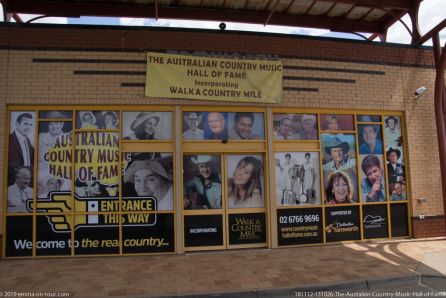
x,y
416,265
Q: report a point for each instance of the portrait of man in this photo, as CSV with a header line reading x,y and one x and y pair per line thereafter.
x,y
216,129
20,149
398,193
193,132
338,151
372,185
242,127
393,131
206,180
370,141
395,170
283,131
20,192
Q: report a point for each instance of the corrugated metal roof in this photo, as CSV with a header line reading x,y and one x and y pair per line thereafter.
x,y
372,16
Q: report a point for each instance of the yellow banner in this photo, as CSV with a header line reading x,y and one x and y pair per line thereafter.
x,y
192,77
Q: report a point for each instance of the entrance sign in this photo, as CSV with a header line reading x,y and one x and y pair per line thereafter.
x,y
203,78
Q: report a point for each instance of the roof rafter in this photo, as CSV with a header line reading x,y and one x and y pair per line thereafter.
x,y
76,9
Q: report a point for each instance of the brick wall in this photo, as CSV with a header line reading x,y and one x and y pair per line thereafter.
x,y
25,80
428,227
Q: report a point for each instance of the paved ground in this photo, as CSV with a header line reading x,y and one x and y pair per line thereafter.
x,y
367,266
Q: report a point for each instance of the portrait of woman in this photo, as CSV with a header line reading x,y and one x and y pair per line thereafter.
x,y
297,178
336,122
245,187
147,125
150,178
111,120
339,189
87,120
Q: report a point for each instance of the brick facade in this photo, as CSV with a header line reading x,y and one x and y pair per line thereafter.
x,y
385,79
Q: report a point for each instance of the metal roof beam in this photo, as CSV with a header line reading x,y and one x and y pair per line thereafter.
x,y
389,4
75,9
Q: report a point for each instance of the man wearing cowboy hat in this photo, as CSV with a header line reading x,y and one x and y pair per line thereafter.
x,y
144,126
338,150
393,133
193,133
395,170
207,183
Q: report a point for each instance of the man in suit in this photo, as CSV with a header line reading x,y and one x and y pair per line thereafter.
x,y
20,192
395,170
21,151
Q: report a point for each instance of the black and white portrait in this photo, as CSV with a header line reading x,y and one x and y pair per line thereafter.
x,y
298,178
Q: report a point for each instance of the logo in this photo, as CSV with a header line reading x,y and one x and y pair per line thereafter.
x,y
60,203
373,220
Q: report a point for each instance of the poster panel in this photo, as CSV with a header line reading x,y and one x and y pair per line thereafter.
x,y
374,221
97,120
205,125
147,125
298,180
153,236
370,139
295,127
247,228
21,161
203,230
245,181
54,158
206,78
392,131
299,226
202,182
19,236
395,158
399,219
95,238
342,223
96,169
339,168
336,122
372,185
246,126
51,241
148,174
